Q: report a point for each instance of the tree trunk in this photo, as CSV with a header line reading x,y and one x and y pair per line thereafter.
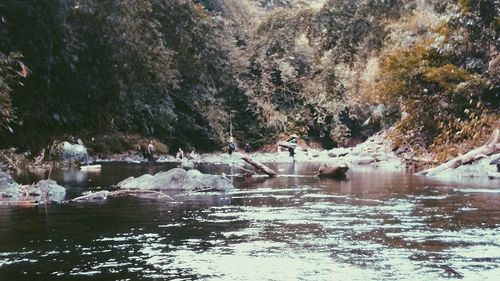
x,y
261,167
491,147
11,162
286,144
39,159
248,173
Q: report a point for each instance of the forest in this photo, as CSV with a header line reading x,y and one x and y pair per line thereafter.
x,y
189,72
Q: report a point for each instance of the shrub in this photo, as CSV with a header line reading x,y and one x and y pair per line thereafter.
x,y
8,77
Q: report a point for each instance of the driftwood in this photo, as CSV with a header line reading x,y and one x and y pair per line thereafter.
x,y
11,162
101,195
286,144
91,196
247,173
138,192
423,160
39,159
261,167
491,147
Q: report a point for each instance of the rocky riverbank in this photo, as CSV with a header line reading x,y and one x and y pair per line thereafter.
x,y
376,152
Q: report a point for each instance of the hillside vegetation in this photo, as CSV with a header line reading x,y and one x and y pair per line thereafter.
x,y
186,72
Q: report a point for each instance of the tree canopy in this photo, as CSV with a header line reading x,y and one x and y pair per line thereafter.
x,y
181,71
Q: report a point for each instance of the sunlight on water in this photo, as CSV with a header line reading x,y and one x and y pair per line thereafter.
x,y
276,230
478,190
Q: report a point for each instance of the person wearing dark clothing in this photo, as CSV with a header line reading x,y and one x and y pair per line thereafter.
x,y
231,145
247,148
291,149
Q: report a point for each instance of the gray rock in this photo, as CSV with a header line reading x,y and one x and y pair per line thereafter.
x,y
197,181
338,152
73,152
142,182
50,187
8,187
44,190
382,157
178,179
365,160
333,170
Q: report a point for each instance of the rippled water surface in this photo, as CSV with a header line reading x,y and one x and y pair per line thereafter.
x,y
374,226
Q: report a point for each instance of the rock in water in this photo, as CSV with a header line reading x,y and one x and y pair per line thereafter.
x,y
46,190
50,187
76,152
178,179
333,171
43,191
8,187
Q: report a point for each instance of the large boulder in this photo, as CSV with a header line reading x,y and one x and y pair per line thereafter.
x,y
46,190
333,170
8,187
48,187
73,152
178,179
43,191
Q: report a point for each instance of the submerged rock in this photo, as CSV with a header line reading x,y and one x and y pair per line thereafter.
x,y
178,179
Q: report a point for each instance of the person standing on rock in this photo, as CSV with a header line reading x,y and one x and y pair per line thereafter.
x,y
180,154
151,150
293,143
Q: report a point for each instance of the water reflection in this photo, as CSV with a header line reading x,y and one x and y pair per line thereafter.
x,y
372,226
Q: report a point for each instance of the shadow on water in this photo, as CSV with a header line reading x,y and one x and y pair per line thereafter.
x,y
373,226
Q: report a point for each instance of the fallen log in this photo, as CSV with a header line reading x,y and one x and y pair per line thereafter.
x,y
10,162
39,159
92,196
259,166
136,192
103,195
287,144
247,173
491,147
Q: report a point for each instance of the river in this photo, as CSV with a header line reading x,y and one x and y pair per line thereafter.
x,y
374,226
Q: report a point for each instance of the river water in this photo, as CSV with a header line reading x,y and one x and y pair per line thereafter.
x,y
374,226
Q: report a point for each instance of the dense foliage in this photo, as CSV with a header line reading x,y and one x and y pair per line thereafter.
x,y
152,67
189,71
443,80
